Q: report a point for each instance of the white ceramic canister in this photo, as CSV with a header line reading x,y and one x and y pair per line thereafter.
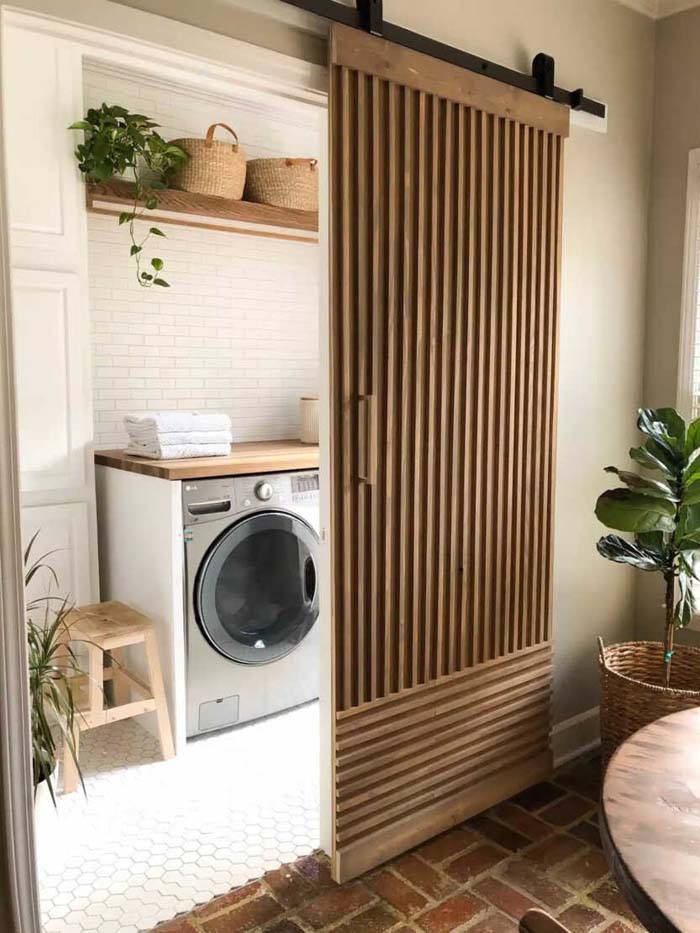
x,y
308,420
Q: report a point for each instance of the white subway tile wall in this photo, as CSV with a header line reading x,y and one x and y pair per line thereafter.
x,y
237,331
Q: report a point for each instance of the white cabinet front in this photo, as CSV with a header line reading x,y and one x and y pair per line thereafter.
x,y
51,349
42,96
63,537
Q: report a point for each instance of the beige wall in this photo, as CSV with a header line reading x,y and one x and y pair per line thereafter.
x,y
676,132
608,49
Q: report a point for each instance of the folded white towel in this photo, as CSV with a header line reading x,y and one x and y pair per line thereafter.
x,y
164,422
177,451
180,437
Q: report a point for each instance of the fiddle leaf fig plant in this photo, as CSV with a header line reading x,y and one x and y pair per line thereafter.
x,y
117,142
662,513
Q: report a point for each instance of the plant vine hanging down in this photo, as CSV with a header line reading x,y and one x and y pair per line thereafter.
x,y
117,142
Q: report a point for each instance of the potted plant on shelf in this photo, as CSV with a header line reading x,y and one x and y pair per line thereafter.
x,y
119,143
52,666
645,680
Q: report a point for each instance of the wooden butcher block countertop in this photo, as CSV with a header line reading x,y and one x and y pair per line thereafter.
x,y
251,457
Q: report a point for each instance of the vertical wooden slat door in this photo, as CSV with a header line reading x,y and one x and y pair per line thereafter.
x,y
445,245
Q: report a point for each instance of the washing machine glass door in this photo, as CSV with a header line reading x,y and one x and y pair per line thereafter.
x,y
256,593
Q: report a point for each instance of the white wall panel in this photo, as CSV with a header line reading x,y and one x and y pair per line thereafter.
x,y
63,531
42,96
51,343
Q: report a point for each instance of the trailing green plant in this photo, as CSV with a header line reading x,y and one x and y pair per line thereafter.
x,y
117,142
662,513
52,665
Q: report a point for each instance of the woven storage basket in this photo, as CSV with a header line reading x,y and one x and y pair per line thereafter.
x,y
289,183
213,167
633,692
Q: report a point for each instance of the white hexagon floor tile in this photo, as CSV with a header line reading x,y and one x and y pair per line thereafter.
x,y
152,838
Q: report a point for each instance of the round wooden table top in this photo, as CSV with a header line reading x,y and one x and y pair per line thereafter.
x,y
650,822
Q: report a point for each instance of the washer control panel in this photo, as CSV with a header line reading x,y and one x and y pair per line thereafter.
x,y
213,499
305,487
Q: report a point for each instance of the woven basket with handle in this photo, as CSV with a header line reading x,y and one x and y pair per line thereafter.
x,y
291,183
213,167
632,687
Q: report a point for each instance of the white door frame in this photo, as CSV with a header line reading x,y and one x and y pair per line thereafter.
x,y
18,881
201,59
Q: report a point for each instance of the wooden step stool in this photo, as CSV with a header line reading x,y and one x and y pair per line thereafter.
x,y
109,628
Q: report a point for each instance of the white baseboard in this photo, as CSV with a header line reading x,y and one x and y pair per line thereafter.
x,y
575,736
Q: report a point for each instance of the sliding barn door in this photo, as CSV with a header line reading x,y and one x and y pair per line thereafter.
x,y
445,243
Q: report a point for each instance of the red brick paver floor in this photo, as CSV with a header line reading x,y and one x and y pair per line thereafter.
x,y
540,849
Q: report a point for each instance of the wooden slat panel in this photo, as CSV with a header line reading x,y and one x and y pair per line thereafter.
x,y
405,492
396,775
421,381
426,693
392,361
367,641
446,233
455,658
356,49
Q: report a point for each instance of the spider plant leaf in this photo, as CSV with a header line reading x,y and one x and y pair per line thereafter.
x,y
28,549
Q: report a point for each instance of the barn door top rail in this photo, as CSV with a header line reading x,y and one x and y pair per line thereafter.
x,y
367,15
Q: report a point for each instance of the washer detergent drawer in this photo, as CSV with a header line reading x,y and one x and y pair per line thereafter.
x,y
217,714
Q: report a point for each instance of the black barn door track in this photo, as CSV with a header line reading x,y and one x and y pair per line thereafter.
x,y
368,16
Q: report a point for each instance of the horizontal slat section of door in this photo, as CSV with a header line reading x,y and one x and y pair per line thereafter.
x,y
432,757
444,298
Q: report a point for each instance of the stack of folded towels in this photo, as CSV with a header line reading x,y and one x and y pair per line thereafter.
x,y
175,435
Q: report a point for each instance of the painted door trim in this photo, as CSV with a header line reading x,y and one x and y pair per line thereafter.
x,y
690,283
272,73
18,877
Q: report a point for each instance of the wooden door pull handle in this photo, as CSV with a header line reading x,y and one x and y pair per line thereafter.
x,y
367,431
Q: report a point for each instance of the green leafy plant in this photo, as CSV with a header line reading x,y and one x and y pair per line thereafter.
x,y
52,665
662,514
117,142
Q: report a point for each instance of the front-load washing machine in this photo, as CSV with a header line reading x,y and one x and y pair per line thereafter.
x,y
251,572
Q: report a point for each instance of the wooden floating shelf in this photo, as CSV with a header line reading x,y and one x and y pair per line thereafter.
x,y
207,212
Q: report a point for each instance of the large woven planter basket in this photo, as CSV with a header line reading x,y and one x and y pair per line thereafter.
x,y
291,183
632,688
213,167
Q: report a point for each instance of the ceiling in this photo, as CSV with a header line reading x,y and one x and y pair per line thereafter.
x,y
657,9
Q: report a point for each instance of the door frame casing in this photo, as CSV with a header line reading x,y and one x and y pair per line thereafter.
x,y
690,281
260,71
18,876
